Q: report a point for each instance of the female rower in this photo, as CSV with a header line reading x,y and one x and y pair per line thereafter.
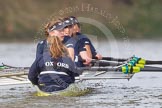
x,y
91,51
50,31
67,34
53,71
68,30
77,47
42,46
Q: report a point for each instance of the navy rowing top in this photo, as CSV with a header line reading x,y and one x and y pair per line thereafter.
x,y
42,46
79,46
87,41
50,71
78,42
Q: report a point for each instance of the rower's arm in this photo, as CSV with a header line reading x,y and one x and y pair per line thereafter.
x,y
71,53
94,52
85,57
40,48
83,53
91,51
88,49
34,72
70,47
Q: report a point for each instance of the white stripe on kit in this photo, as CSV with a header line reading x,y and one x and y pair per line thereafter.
x,y
54,72
69,45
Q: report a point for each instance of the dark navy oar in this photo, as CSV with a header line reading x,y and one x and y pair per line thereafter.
x,y
140,60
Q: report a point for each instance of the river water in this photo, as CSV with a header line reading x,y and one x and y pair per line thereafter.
x,y
143,90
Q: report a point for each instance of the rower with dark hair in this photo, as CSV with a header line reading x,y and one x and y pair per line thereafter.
x,y
77,46
78,40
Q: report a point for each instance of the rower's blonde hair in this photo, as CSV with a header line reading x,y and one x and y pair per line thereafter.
x,y
56,47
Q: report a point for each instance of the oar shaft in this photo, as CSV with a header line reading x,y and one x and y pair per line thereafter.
x,y
9,66
13,74
153,62
115,69
148,62
98,78
98,69
151,69
114,59
105,63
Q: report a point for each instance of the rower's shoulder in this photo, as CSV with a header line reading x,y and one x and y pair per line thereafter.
x,y
42,42
83,36
71,40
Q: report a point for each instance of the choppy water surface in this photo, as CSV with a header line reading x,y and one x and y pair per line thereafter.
x,y
143,90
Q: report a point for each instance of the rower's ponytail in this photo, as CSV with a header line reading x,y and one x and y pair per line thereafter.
x,y
57,49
